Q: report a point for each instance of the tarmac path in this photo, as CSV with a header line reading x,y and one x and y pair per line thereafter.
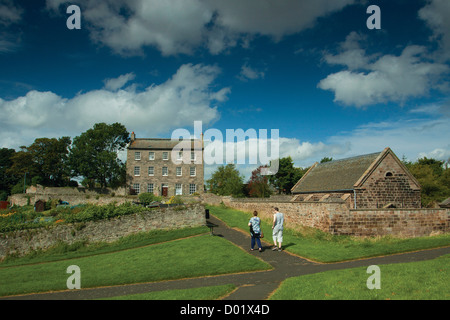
x,y
250,286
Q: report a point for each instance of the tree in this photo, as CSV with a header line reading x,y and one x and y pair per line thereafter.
x,y
287,175
7,179
94,154
226,181
326,159
433,178
45,160
258,185
50,157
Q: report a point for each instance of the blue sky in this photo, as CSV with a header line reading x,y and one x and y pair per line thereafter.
x,y
311,69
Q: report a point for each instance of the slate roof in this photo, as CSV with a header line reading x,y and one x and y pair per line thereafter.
x,y
445,203
156,144
338,175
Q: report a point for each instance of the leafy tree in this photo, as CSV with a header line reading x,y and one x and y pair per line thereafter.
x,y
326,159
433,164
94,154
45,161
50,156
22,162
7,179
287,175
433,178
226,181
258,185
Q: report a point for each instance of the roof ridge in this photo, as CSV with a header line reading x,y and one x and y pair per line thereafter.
x,y
166,139
354,157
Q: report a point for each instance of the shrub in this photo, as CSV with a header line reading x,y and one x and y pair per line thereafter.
x,y
175,200
20,218
3,196
18,188
148,197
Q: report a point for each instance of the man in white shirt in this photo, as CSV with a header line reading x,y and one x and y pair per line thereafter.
x,y
277,227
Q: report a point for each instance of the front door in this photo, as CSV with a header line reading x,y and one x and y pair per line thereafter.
x,y
164,190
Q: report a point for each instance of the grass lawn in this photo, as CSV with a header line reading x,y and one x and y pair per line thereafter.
x,y
184,258
425,280
64,251
203,293
323,247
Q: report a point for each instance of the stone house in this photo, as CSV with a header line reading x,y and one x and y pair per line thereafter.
x,y
165,167
377,180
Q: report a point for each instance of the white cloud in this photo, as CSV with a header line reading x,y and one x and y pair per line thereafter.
x,y
253,150
376,79
181,26
249,73
351,54
436,14
117,83
409,137
185,97
272,17
439,154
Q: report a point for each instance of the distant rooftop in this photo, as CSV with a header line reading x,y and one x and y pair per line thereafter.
x,y
158,144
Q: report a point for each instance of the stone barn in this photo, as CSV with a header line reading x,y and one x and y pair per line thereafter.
x,y
377,180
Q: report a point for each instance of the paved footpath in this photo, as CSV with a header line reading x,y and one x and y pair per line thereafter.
x,y
251,286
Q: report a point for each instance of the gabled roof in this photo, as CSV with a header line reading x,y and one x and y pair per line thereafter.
x,y
343,175
158,144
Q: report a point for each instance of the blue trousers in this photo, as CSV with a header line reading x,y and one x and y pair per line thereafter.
x,y
258,242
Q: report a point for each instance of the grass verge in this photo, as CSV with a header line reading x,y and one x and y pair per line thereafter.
x,y
324,247
425,280
185,258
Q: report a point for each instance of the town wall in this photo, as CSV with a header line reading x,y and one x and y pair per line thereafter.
x,y
108,230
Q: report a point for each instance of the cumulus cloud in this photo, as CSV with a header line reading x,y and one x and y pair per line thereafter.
x,y
117,83
439,154
185,97
435,13
253,148
372,79
181,26
429,137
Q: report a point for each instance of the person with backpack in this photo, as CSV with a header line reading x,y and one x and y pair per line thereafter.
x,y
255,231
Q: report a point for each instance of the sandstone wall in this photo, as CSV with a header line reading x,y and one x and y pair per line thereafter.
x,y
397,222
23,241
337,218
